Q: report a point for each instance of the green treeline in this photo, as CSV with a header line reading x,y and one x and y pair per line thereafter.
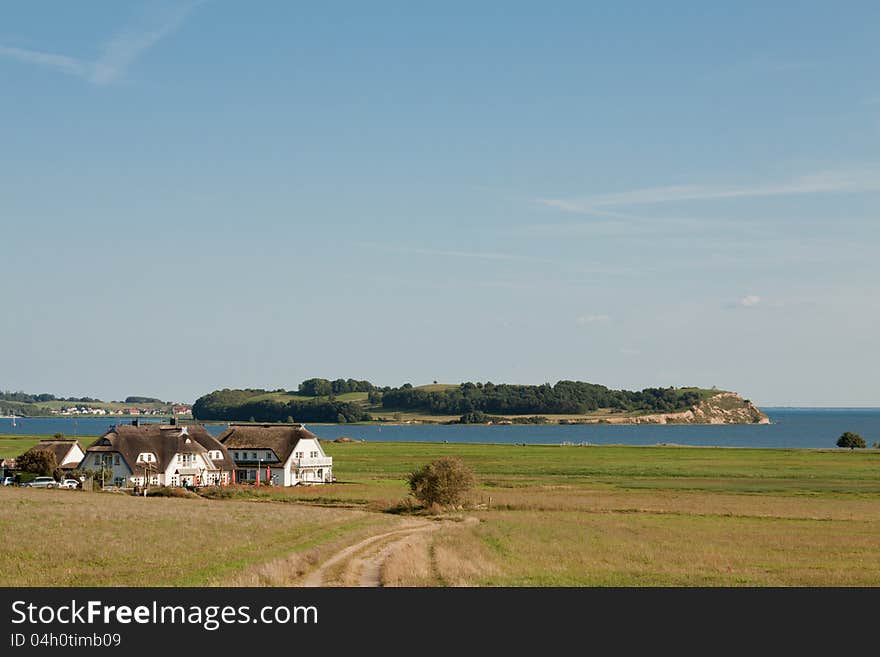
x,y
241,406
315,401
566,397
325,387
28,398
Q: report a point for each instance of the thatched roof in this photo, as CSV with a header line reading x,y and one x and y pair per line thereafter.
x,y
163,440
281,439
60,447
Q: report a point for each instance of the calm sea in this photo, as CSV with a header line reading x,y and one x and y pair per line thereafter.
x,y
791,427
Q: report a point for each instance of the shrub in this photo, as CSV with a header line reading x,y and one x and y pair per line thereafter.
x,y
41,462
167,491
444,481
851,440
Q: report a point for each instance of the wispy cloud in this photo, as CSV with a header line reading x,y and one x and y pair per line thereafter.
x,y
584,320
479,255
59,63
828,182
116,55
750,301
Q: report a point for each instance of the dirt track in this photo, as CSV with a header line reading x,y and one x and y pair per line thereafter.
x,y
364,557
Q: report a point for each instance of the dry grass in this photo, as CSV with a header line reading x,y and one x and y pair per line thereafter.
x,y
410,564
579,536
697,503
459,558
646,549
76,538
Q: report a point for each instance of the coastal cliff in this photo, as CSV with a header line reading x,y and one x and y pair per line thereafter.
x,y
723,408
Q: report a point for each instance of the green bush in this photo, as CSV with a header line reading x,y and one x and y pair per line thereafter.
x,y
851,440
40,462
444,482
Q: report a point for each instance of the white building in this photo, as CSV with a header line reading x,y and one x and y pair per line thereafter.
x,y
68,453
160,455
286,455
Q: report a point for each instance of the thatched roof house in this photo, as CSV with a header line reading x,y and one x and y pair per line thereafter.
x,y
284,454
161,454
68,452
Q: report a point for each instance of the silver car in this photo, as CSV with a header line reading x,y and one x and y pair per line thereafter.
x,y
41,482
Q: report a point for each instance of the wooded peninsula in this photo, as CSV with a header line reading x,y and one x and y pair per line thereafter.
x,y
350,400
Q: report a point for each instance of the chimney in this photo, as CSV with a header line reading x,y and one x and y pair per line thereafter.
x,y
136,422
173,421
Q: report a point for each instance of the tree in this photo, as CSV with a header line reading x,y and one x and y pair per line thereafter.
x,y
315,388
851,440
41,462
444,481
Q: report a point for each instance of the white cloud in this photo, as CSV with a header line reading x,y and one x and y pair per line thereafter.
x,y
749,301
826,182
60,63
583,320
116,55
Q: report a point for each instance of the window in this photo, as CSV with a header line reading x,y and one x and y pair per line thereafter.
x,y
116,459
299,455
178,459
253,455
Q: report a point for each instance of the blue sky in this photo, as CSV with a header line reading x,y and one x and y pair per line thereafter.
x,y
223,194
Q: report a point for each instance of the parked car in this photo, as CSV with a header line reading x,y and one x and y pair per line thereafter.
x,y
41,482
69,483
8,481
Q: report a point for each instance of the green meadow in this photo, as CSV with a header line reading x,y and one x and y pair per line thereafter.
x,y
540,516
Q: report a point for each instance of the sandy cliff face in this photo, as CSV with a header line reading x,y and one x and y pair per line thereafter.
x,y
723,408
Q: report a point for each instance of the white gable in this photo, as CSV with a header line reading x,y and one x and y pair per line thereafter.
x,y
74,455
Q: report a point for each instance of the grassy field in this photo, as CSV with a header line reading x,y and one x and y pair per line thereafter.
x,y
541,515
11,446
76,538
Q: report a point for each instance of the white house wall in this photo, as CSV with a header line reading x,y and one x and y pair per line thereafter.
x,y
95,460
74,456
